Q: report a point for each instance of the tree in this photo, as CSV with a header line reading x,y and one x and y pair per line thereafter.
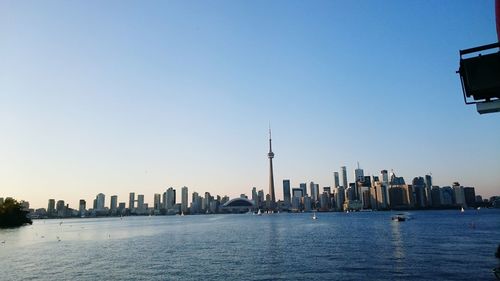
x,y
12,214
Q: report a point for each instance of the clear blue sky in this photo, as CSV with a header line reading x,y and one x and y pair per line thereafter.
x,y
121,96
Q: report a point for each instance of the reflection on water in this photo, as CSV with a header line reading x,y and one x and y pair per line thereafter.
x,y
397,242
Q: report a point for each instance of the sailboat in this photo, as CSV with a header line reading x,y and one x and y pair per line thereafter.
x,y
182,214
259,213
314,217
462,210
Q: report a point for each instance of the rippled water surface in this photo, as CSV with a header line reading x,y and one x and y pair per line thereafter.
x,y
433,245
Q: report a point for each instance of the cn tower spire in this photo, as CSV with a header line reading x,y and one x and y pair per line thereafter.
x,y
270,146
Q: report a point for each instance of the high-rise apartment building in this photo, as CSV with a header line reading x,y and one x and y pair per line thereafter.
x,y
131,201
157,202
314,188
470,196
51,208
100,201
114,203
459,195
428,189
286,193
140,202
359,175
82,207
336,181
170,198
255,197
344,177
184,199
303,186
384,177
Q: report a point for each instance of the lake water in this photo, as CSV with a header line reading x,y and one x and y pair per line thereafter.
x,y
432,245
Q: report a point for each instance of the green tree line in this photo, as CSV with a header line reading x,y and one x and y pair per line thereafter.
x,y
12,214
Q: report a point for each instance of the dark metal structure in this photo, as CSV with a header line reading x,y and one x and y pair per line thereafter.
x,y
480,75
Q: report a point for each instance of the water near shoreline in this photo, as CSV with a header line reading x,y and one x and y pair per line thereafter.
x,y
433,245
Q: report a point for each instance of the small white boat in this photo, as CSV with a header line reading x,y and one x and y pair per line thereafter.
x,y
259,213
399,217
182,214
314,217
462,210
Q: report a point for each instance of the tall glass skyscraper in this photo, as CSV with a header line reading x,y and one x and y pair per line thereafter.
x,y
131,200
184,199
344,177
286,192
336,179
303,187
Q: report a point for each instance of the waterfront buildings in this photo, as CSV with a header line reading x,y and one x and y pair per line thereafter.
x,y
376,195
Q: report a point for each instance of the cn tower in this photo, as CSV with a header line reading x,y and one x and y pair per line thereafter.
x,y
270,155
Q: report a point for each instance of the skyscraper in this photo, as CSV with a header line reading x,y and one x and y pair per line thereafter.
x,y
184,199
336,179
303,186
170,198
358,174
358,180
82,207
428,189
51,209
140,202
286,193
131,200
100,201
314,188
255,197
344,177
384,176
157,202
114,203
470,196
270,155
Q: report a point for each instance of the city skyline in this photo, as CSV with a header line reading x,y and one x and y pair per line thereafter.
x,y
385,191
117,98
248,192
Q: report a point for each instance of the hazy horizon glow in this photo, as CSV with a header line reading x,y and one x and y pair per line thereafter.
x,y
127,96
